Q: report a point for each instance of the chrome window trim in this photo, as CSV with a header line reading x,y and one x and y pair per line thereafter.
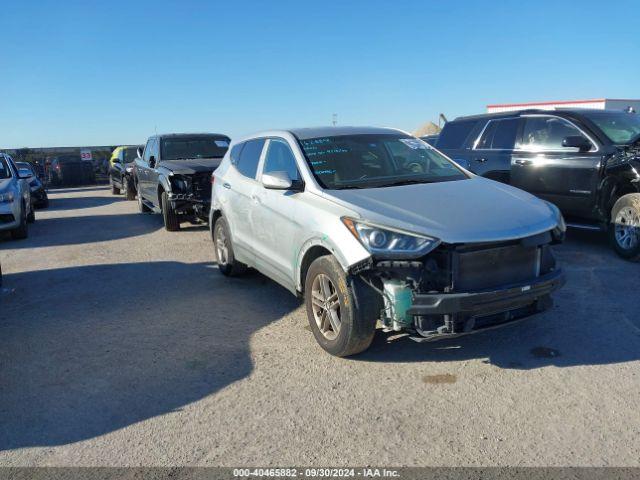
x,y
555,150
477,140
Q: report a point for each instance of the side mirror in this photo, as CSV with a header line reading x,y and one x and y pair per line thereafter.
x,y
139,152
24,173
152,161
577,141
277,181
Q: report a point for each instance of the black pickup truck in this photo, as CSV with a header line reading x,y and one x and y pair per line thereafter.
x,y
587,162
173,175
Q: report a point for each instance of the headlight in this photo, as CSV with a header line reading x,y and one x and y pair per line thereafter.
x,y
6,197
388,242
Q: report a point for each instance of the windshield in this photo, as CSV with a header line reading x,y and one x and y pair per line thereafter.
x,y
200,146
620,127
376,160
4,169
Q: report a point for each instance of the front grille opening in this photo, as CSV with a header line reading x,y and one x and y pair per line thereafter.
x,y
494,267
7,218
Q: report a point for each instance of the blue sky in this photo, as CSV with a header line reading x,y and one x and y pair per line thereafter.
x,y
101,73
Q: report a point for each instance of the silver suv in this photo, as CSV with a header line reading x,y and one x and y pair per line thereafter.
x,y
372,224
16,209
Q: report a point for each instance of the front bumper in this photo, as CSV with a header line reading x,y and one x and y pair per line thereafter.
x,y
190,204
462,313
9,216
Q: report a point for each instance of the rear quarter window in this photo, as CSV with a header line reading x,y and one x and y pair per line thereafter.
x,y
454,134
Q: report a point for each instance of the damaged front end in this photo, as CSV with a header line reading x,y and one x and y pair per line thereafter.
x,y
457,289
191,194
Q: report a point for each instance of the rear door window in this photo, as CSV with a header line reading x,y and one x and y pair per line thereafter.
x,y
455,134
247,164
499,135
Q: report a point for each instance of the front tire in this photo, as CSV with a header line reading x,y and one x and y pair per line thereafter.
x,y
225,257
171,220
624,231
341,309
22,231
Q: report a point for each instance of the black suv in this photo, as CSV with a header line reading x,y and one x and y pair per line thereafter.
x,y
587,162
173,175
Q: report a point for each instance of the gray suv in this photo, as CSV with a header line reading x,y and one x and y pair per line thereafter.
x,y
372,224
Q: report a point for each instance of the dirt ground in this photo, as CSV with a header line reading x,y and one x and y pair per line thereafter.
x,y
121,344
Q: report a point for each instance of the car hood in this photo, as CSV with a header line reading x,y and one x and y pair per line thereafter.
x,y
191,166
473,210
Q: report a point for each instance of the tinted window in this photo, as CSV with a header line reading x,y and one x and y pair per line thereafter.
x,y
4,168
147,150
280,159
499,135
454,134
235,153
376,160
546,133
247,164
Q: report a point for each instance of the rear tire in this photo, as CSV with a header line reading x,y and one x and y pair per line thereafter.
x,y
624,230
225,258
31,218
22,231
341,309
114,190
171,220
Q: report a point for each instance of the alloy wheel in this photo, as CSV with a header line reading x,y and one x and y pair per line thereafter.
x,y
326,306
222,247
627,228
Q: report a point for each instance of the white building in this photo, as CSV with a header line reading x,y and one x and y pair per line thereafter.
x,y
597,104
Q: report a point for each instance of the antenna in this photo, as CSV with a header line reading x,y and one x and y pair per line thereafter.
x,y
334,119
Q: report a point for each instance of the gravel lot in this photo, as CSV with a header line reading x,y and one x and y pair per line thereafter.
x,y
121,344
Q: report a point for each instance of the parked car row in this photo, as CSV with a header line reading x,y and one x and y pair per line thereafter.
x,y
16,206
374,225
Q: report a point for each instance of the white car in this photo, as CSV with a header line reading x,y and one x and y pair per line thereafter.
x,y
16,210
373,224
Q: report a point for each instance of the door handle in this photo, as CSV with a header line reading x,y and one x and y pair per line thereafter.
x,y
521,161
481,160
226,185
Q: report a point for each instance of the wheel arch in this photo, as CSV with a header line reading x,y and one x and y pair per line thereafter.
x,y
310,251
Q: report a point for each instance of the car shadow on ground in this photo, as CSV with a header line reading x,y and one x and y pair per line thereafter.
x,y
595,320
90,188
52,232
78,203
145,340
